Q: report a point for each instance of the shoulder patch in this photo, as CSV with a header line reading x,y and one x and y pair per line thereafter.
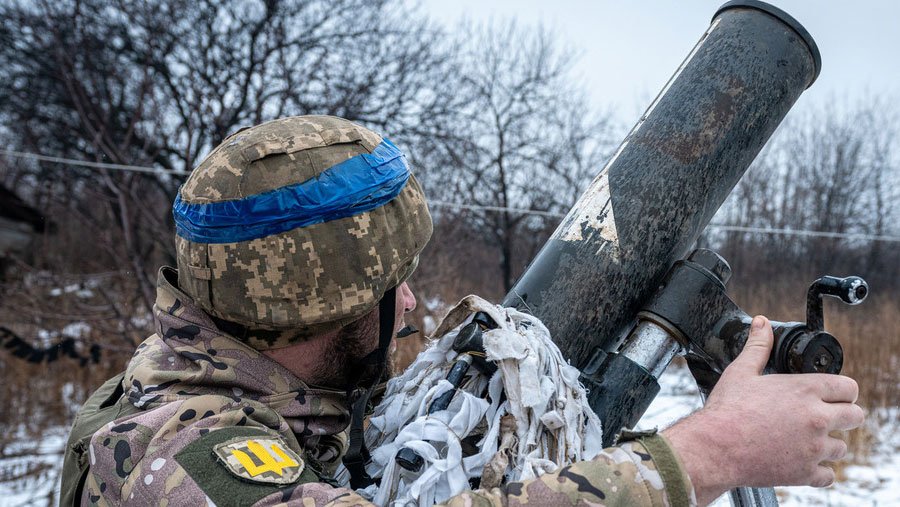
x,y
201,461
260,459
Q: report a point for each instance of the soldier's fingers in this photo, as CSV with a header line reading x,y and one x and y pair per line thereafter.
x,y
835,388
845,416
757,349
835,449
823,476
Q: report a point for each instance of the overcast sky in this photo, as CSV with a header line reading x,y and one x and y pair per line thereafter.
x,y
629,49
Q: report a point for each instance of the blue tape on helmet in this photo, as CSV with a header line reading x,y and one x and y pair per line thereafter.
x,y
357,185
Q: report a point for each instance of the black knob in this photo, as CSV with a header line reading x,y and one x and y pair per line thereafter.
x,y
468,339
409,460
852,289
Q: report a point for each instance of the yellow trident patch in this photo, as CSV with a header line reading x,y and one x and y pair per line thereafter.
x,y
260,460
274,464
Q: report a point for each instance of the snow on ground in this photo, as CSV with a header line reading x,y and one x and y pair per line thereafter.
x,y
29,469
81,290
876,483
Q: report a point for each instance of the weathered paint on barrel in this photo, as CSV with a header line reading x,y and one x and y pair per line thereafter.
x,y
649,204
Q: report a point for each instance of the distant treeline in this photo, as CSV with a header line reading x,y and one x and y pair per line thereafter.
x,y
490,115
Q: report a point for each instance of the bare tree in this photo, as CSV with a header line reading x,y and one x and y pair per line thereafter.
x,y
524,138
161,83
833,170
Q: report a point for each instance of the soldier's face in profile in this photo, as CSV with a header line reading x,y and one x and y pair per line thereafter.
x,y
357,340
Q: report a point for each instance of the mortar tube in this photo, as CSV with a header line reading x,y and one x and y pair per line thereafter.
x,y
651,201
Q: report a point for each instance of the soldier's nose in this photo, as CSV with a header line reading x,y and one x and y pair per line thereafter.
x,y
407,297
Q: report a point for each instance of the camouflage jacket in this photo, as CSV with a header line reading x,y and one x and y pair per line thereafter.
x,y
223,424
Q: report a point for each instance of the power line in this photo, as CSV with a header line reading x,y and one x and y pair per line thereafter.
x,y
524,211
89,164
723,227
444,204
801,232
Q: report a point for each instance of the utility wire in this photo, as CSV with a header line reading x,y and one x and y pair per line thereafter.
x,y
89,164
444,204
723,227
800,232
524,211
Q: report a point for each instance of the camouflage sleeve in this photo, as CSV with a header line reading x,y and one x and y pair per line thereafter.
x,y
316,494
641,472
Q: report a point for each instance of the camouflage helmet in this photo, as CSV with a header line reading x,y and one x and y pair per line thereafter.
x,y
297,227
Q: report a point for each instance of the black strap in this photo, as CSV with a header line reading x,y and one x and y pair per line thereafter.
x,y
357,454
407,331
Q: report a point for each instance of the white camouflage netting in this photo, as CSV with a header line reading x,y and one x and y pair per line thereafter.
x,y
533,413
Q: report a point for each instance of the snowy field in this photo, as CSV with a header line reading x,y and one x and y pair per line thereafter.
x,y
29,470
875,484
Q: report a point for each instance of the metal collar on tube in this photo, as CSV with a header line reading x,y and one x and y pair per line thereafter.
x,y
784,18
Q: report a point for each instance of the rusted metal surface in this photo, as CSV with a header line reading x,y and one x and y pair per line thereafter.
x,y
668,177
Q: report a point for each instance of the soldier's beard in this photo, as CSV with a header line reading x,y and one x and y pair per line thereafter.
x,y
342,364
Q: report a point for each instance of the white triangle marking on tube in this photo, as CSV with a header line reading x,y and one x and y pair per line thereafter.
x,y
593,214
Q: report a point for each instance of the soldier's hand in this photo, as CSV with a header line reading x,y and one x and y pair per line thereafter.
x,y
766,430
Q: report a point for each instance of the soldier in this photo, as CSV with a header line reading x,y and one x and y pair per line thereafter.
x,y
294,241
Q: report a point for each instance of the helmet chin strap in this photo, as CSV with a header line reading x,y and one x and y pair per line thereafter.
x,y
357,454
